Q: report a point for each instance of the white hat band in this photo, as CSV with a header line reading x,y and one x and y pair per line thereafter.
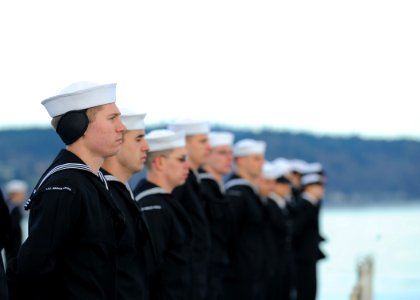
x,y
163,139
80,99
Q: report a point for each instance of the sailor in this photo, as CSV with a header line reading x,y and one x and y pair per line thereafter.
x,y
16,195
191,198
318,168
219,164
307,238
118,169
169,253
297,169
74,224
281,285
265,185
4,240
246,274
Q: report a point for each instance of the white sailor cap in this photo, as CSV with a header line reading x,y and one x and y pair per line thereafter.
x,y
15,186
248,147
282,167
220,138
311,179
298,165
80,95
190,126
276,170
269,170
314,167
164,139
282,164
132,120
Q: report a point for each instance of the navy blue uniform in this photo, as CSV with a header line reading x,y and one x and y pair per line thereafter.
x,y
220,218
131,260
190,196
4,239
169,253
74,229
280,286
306,247
248,245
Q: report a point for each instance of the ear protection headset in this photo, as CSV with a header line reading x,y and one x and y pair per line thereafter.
x,y
72,126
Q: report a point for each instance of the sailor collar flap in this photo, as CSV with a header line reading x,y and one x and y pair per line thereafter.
x,y
62,167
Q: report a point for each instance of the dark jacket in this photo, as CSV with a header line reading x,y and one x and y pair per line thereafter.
x,y
169,254
12,247
4,238
74,229
190,196
131,260
280,285
248,244
219,217
306,230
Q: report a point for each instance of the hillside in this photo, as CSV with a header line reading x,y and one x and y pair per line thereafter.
x,y
358,170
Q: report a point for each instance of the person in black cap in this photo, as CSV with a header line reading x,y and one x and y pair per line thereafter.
x,y
118,169
74,224
170,251
4,240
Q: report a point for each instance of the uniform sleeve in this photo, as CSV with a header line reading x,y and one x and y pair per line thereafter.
x,y
305,214
236,204
53,218
158,220
4,222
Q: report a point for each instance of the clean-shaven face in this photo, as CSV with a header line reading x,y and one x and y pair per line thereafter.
x,y
133,152
104,134
198,149
220,159
176,167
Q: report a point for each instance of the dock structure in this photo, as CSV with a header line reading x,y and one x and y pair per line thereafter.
x,y
363,289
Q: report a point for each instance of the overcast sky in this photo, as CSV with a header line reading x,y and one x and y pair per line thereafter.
x,y
327,67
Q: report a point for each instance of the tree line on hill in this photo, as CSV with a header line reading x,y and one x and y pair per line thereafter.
x,y
358,170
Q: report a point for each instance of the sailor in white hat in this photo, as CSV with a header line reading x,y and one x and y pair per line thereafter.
x,y
165,146
220,159
249,239
16,192
169,254
307,236
218,165
267,179
190,196
297,169
75,225
279,286
118,169
4,237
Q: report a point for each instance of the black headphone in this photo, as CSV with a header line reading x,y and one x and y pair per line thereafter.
x,y
72,126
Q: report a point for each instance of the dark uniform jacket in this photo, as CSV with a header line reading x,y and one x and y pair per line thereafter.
x,y
131,260
4,238
169,254
281,283
12,248
219,217
74,228
306,230
247,271
306,246
190,196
